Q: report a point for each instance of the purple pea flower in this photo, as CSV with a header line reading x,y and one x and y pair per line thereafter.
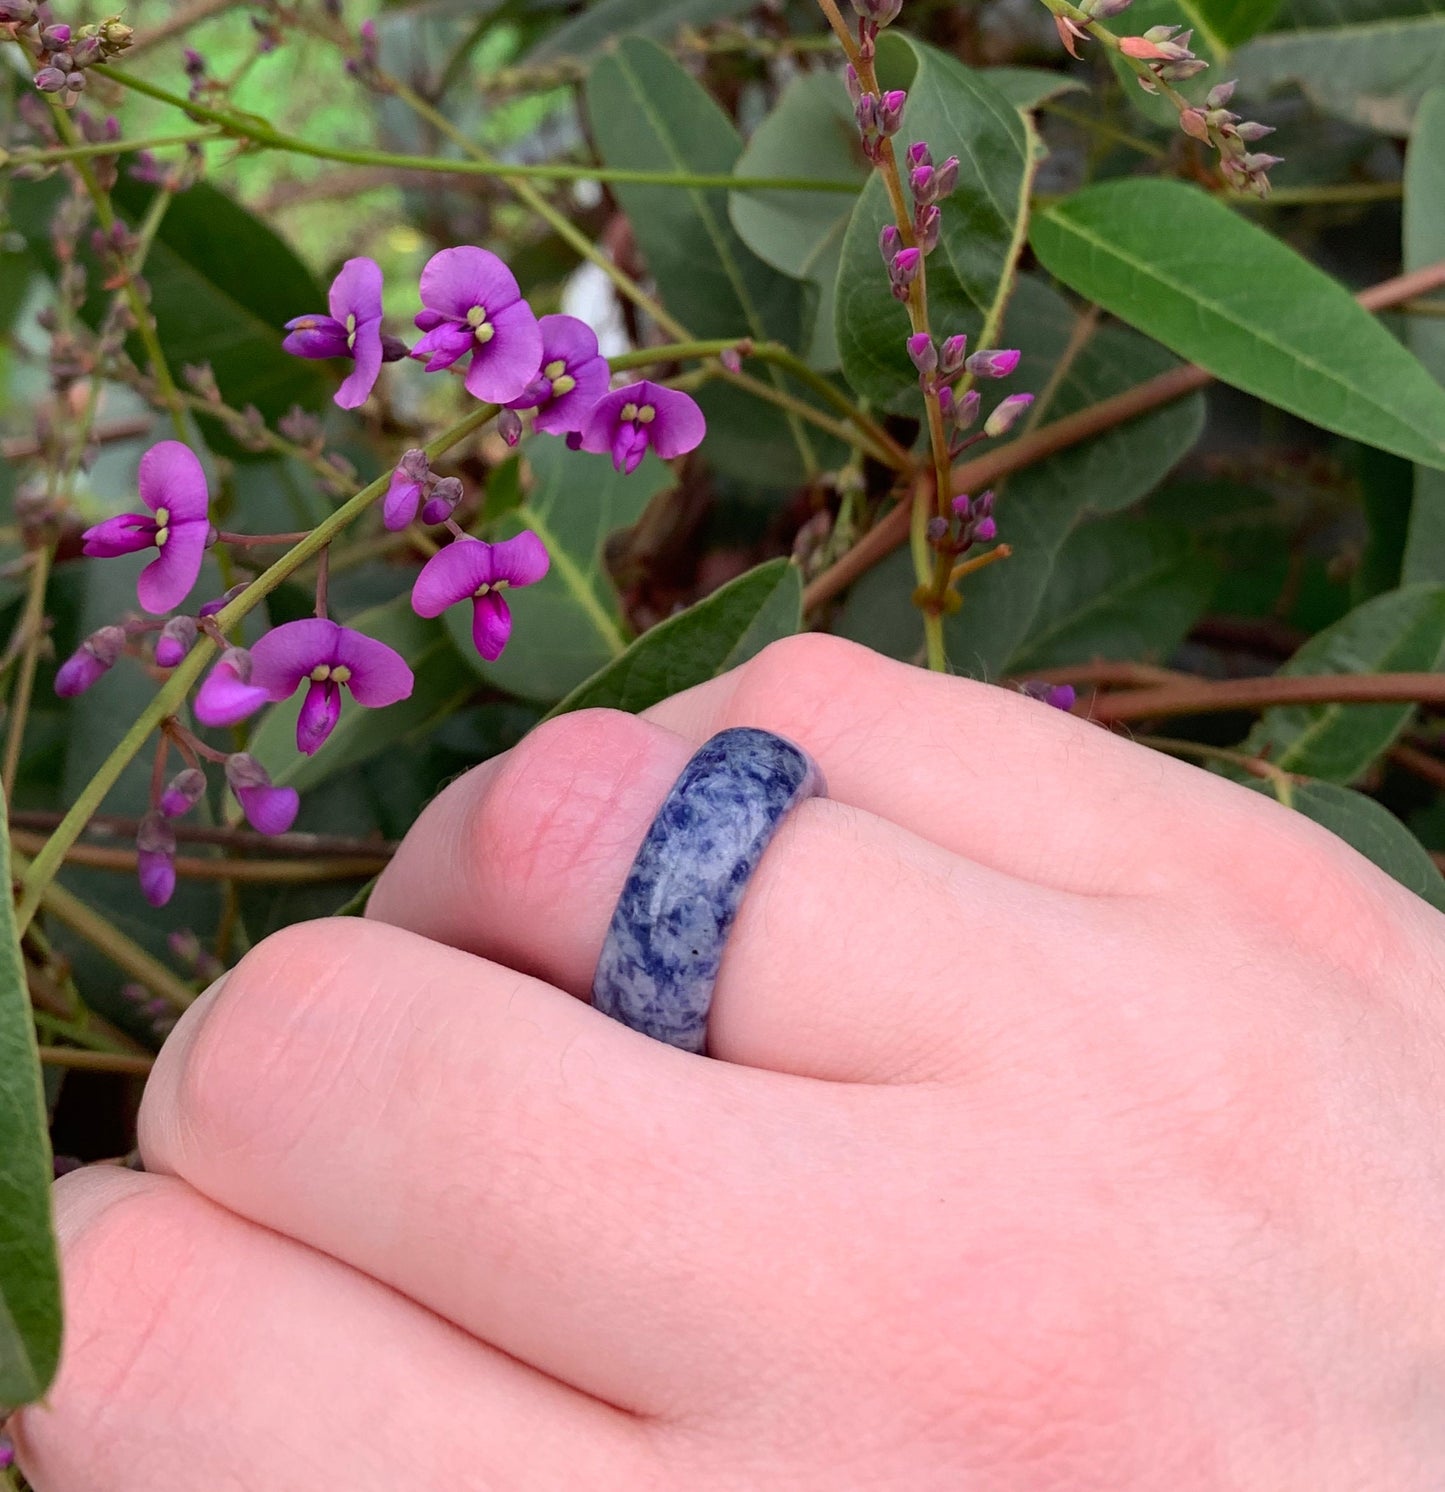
x,y
643,414
353,329
326,656
268,809
473,569
173,486
474,305
573,378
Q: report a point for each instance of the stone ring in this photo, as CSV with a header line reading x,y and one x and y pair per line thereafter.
x,y
660,960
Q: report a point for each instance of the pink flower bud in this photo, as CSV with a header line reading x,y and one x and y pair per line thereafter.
x,y
946,182
1193,122
993,363
927,227
919,155
1003,419
904,271
176,640
93,658
890,111
155,844
923,354
509,426
183,792
890,240
954,351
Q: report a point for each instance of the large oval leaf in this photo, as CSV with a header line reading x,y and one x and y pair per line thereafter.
x,y
1400,632
29,1267
723,630
1179,265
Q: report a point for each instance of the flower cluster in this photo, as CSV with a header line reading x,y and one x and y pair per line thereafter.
x,y
1168,58
473,319
64,51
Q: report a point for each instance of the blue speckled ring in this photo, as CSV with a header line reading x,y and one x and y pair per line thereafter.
x,y
660,961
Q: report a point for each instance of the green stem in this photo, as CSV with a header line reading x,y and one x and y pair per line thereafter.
x,y
259,132
46,865
33,623
1282,782
145,322
87,150
108,939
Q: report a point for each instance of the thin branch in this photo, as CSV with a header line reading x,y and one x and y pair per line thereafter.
x,y
27,447
252,872
295,845
1210,696
892,530
79,1059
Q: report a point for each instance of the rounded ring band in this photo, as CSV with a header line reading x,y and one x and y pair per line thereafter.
x,y
660,960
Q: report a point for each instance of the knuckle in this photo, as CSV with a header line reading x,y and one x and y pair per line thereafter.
x,y
562,801
270,1050
808,660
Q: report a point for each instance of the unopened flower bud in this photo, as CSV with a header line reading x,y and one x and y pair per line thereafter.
x,y
919,155
923,354
17,12
985,530
182,793
853,85
937,531
879,12
509,426
966,411
927,228
86,52
993,363
922,182
1059,696
415,464
50,80
890,111
890,240
176,640
1003,419
945,183
393,349
904,271
115,34
952,354
55,38
1105,10
155,844
1220,95
93,658
444,497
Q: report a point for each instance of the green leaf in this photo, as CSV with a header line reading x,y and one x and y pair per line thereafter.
x,y
444,680
960,112
569,625
1373,75
1402,631
29,1266
1386,483
598,23
1425,245
811,132
723,630
1028,87
1123,587
1230,22
1179,265
1374,831
648,113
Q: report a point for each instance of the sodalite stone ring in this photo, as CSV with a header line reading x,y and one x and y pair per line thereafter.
x,y
660,961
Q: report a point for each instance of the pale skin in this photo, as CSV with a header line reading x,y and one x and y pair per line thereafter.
x,y
1073,1122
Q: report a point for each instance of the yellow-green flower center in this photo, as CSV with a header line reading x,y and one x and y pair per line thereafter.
x,y
351,330
563,385
163,531
328,673
482,329
491,585
555,369
646,415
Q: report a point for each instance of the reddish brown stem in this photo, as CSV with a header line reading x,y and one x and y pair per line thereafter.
x,y
1207,697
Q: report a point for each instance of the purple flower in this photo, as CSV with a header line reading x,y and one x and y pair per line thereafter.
x,y
573,378
92,659
173,486
182,793
643,414
353,329
481,571
268,809
228,696
326,656
155,844
474,305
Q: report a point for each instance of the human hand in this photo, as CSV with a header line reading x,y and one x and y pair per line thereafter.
x,y
1076,1126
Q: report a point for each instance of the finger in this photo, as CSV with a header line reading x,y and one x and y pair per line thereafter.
x,y
982,771
830,970
553,1183
205,1352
